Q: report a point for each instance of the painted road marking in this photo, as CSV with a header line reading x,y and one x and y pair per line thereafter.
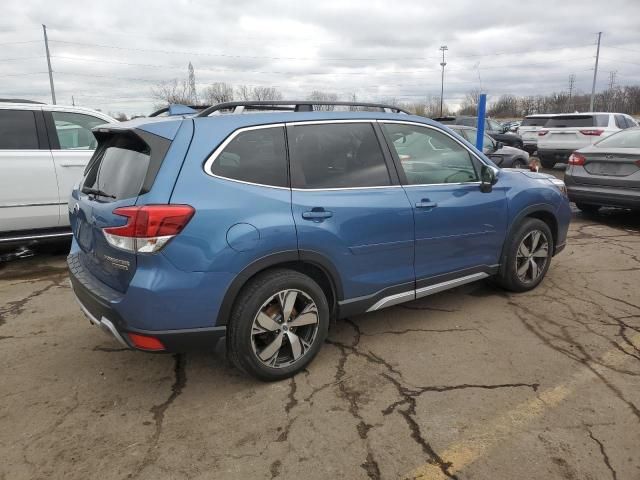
x,y
484,437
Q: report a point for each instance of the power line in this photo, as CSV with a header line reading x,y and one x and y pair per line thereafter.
x,y
18,43
18,58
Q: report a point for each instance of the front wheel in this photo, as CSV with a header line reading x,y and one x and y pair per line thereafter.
x,y
547,163
519,163
278,324
528,256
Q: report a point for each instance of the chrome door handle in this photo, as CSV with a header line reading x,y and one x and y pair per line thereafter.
x,y
425,203
67,165
316,214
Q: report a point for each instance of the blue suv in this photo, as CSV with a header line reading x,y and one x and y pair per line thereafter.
x,y
263,227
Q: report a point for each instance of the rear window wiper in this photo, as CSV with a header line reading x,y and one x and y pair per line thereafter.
x,y
95,191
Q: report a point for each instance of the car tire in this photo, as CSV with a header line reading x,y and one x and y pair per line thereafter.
x,y
517,273
519,163
277,325
588,208
546,163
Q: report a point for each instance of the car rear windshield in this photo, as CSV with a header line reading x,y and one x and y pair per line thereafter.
x,y
534,121
622,139
578,121
118,168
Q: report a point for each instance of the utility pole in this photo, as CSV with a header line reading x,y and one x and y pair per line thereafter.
x,y
572,82
73,101
595,74
442,64
46,47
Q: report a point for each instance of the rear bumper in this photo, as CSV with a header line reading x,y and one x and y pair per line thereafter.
x,y
100,304
559,155
602,195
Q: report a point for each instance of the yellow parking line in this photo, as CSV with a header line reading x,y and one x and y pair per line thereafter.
x,y
485,436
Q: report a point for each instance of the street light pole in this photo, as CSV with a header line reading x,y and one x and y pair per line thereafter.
x,y
442,64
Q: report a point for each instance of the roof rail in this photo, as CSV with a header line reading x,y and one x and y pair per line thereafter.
x,y
179,109
292,106
19,100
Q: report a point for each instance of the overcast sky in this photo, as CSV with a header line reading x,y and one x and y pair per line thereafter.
x,y
109,54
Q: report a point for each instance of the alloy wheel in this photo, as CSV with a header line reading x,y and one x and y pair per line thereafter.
x,y
284,328
532,256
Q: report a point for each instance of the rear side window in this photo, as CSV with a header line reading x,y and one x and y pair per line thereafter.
x,y
18,130
534,121
74,130
468,122
578,121
118,168
255,156
340,155
624,139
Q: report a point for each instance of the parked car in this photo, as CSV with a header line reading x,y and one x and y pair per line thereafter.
x,y
529,129
492,128
265,227
502,155
565,133
606,173
43,152
510,126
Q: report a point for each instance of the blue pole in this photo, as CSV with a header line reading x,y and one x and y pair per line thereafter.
x,y
482,108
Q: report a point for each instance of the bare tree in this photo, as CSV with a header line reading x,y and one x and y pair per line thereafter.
x,y
247,94
319,96
218,92
171,91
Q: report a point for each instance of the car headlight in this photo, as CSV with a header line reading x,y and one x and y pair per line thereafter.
x,y
559,184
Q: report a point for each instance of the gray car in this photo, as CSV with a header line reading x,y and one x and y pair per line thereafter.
x,y
606,173
502,155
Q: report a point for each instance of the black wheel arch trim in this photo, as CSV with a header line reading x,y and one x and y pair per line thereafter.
x,y
526,212
274,260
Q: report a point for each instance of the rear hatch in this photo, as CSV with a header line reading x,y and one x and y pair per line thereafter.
x,y
529,127
571,132
123,167
613,167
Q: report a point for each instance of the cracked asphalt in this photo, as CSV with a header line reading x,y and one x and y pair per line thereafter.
x,y
473,383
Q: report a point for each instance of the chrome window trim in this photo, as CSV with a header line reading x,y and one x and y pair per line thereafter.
x,y
208,164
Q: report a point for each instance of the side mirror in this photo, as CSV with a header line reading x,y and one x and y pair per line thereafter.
x,y
499,145
488,178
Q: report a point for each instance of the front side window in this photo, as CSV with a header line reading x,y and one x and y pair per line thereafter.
x,y
255,156
74,130
18,130
336,155
621,122
430,157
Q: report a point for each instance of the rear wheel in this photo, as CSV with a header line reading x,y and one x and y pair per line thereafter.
x,y
278,324
588,208
529,254
519,163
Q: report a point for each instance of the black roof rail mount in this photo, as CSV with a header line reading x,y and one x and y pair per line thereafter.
x,y
19,100
292,106
169,107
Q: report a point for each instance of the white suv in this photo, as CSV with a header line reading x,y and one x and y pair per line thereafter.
x,y
529,128
565,133
43,152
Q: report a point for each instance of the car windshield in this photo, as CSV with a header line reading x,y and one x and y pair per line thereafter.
x,y
622,139
534,121
563,121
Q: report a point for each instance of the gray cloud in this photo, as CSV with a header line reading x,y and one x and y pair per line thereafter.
x,y
372,48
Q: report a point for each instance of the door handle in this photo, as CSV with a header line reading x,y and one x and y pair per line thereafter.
x,y
67,165
317,213
426,203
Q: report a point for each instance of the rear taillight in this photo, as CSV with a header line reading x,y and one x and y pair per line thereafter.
x,y
576,159
542,133
149,227
596,132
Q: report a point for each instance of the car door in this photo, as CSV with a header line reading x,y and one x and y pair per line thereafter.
x,y
28,187
459,229
72,145
350,211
